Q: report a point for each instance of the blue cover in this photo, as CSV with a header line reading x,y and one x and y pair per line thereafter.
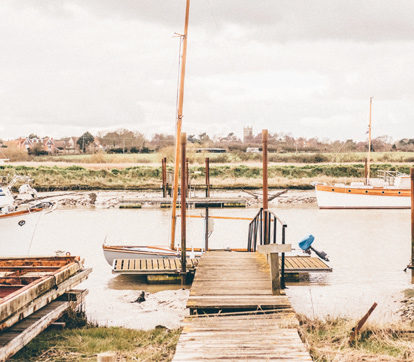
x,y
306,243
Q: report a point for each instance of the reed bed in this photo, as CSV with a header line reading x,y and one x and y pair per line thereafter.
x,y
328,340
143,177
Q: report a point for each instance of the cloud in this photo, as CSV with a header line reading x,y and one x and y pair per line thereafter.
x,y
301,67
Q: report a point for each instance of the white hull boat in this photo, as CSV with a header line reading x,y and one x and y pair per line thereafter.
x,y
141,252
380,194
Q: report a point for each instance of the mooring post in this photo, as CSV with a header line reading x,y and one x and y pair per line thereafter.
x,y
366,171
164,177
183,209
412,224
207,177
207,195
265,186
187,176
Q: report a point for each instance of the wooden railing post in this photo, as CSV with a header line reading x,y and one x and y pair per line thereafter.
x,y
274,272
265,186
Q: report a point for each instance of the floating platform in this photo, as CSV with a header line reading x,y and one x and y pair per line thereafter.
x,y
192,203
162,266
172,266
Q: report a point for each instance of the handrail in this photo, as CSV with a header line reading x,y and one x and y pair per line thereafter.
x,y
262,225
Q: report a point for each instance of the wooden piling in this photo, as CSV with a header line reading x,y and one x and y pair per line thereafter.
x,y
207,195
207,177
366,171
187,176
265,186
164,177
183,208
274,272
412,224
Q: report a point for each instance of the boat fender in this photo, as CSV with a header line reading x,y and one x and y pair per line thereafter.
x,y
21,222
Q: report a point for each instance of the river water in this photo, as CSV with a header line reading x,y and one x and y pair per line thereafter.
x,y
368,250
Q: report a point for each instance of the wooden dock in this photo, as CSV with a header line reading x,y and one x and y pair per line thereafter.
x,y
235,316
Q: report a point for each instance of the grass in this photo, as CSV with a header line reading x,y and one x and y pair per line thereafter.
x,y
46,178
229,157
83,344
328,340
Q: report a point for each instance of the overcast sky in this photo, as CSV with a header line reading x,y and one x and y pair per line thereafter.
x,y
301,67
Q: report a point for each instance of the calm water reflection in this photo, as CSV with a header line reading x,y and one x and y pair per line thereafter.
x,y
368,251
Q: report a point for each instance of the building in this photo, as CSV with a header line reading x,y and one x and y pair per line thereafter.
x,y
247,134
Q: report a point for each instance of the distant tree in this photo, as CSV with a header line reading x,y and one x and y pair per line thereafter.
x,y
84,141
37,150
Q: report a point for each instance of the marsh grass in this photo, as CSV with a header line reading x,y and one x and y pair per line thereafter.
x,y
46,178
328,340
83,344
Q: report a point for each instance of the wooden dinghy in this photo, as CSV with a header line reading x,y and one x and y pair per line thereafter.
x,y
29,283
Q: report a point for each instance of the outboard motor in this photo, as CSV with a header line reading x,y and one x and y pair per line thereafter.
x,y
305,245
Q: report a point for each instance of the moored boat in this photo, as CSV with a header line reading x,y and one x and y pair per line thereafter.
x,y
389,193
112,252
391,190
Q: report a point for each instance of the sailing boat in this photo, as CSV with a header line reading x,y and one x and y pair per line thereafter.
x,y
143,252
390,191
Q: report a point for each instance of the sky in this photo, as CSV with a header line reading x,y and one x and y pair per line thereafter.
x,y
298,67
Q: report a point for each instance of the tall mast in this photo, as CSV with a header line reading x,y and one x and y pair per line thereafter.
x,y
369,141
179,123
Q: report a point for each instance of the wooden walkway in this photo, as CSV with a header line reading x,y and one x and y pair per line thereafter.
x,y
234,315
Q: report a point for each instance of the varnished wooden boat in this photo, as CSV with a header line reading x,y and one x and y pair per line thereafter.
x,y
360,196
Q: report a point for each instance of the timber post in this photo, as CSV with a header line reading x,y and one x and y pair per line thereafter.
x,y
274,272
187,176
207,195
164,177
412,224
207,177
183,209
265,187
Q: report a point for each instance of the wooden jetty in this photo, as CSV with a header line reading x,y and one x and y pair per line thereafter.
x,y
192,203
235,315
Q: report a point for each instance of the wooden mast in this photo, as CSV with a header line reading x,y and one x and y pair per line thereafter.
x,y
369,142
179,123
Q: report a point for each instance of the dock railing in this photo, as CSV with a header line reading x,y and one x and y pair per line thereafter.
x,y
263,230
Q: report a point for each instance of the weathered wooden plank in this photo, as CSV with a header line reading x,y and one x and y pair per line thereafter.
x,y
45,298
21,297
16,338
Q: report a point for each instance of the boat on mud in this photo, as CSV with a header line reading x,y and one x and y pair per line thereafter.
x,y
23,208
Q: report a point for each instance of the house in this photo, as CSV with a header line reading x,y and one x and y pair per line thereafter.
x,y
253,150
